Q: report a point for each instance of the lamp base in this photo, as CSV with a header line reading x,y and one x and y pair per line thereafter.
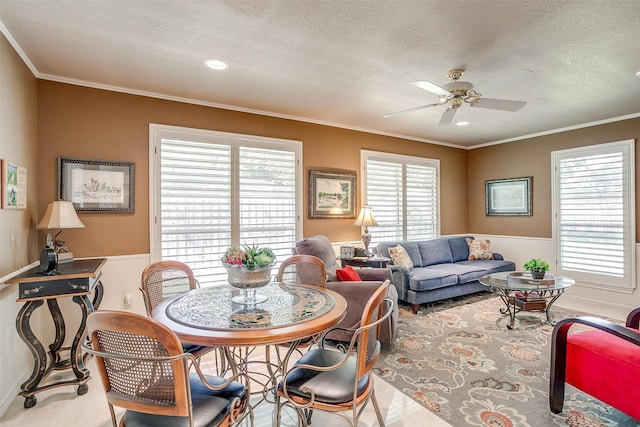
x,y
48,260
366,239
65,257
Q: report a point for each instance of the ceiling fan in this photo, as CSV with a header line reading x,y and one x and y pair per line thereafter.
x,y
458,92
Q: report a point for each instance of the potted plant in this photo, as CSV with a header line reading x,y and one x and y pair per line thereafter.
x,y
537,267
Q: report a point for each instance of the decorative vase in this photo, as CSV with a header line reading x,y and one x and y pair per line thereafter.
x,y
248,281
538,275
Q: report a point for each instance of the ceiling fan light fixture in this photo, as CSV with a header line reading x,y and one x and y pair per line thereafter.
x,y
216,64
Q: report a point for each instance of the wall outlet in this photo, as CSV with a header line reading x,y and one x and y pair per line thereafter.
x,y
127,301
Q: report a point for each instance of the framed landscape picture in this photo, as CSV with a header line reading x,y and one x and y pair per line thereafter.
x,y
509,197
332,194
14,185
96,185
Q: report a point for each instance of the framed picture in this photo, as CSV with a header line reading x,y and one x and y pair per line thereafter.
x,y
96,185
509,197
14,186
332,194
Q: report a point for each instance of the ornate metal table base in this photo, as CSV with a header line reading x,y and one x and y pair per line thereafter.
x,y
512,308
520,292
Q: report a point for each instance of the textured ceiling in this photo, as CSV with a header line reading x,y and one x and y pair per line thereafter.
x,y
348,62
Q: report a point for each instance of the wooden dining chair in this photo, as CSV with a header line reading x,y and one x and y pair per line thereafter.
x,y
166,279
330,380
145,371
304,269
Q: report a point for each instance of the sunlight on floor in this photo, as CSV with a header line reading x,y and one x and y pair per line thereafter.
x,y
64,408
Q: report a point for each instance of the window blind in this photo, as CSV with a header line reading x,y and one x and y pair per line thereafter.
x,y
215,191
594,214
403,193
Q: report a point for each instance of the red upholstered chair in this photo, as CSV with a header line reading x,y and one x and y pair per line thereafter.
x,y
602,361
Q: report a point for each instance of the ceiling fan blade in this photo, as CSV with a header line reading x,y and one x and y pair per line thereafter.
x,y
507,81
447,117
500,104
430,87
411,109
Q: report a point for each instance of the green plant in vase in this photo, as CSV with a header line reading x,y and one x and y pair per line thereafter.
x,y
537,267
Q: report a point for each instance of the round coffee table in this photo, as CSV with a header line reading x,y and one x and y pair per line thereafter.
x,y
520,292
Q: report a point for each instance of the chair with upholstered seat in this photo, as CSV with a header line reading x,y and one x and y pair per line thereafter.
x,y
166,279
356,293
602,360
144,370
327,379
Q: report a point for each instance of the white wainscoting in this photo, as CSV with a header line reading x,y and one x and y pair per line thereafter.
x,y
120,276
585,297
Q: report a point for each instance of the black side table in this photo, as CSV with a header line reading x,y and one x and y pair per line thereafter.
x,y
365,262
77,280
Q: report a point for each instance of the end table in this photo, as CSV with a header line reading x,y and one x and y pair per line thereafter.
x,y
365,262
77,280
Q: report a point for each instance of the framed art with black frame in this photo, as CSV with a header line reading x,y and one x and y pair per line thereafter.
x,y
509,197
97,185
332,193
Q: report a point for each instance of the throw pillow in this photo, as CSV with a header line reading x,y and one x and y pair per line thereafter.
x,y
348,274
479,249
399,256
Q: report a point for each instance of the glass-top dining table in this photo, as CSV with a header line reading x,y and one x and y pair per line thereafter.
x,y
292,312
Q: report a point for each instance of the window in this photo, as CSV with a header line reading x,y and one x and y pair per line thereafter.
x,y
403,192
211,190
594,229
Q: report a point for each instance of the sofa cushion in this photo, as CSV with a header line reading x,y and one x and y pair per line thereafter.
x,y
347,274
434,251
399,256
414,252
479,249
459,248
490,266
464,273
425,279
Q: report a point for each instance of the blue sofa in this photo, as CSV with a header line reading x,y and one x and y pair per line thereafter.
x,y
441,269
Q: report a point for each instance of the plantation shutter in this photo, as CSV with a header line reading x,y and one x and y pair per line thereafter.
x,y
594,214
215,190
195,205
403,194
268,199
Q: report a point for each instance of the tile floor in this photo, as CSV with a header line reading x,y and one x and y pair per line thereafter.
x,y
62,407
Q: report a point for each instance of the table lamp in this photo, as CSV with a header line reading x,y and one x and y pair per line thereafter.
x,y
59,215
366,219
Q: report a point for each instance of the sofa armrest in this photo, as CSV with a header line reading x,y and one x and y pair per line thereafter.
x,y
374,274
498,257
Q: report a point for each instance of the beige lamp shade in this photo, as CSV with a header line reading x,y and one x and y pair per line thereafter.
x,y
60,214
365,218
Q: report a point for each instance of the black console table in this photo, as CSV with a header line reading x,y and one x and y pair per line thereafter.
x,y
78,280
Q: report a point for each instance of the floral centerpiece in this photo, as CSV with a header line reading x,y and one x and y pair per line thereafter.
x,y
248,268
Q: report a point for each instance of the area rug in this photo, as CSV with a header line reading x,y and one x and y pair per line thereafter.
x,y
458,359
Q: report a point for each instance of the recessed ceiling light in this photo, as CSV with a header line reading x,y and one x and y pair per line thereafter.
x,y
216,64
638,73
463,123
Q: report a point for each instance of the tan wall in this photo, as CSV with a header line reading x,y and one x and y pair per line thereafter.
x,y
532,157
75,121
18,144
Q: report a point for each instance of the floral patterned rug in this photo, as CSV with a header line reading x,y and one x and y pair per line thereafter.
x,y
458,359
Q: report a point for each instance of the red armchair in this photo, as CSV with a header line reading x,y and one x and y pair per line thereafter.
x,y
602,361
